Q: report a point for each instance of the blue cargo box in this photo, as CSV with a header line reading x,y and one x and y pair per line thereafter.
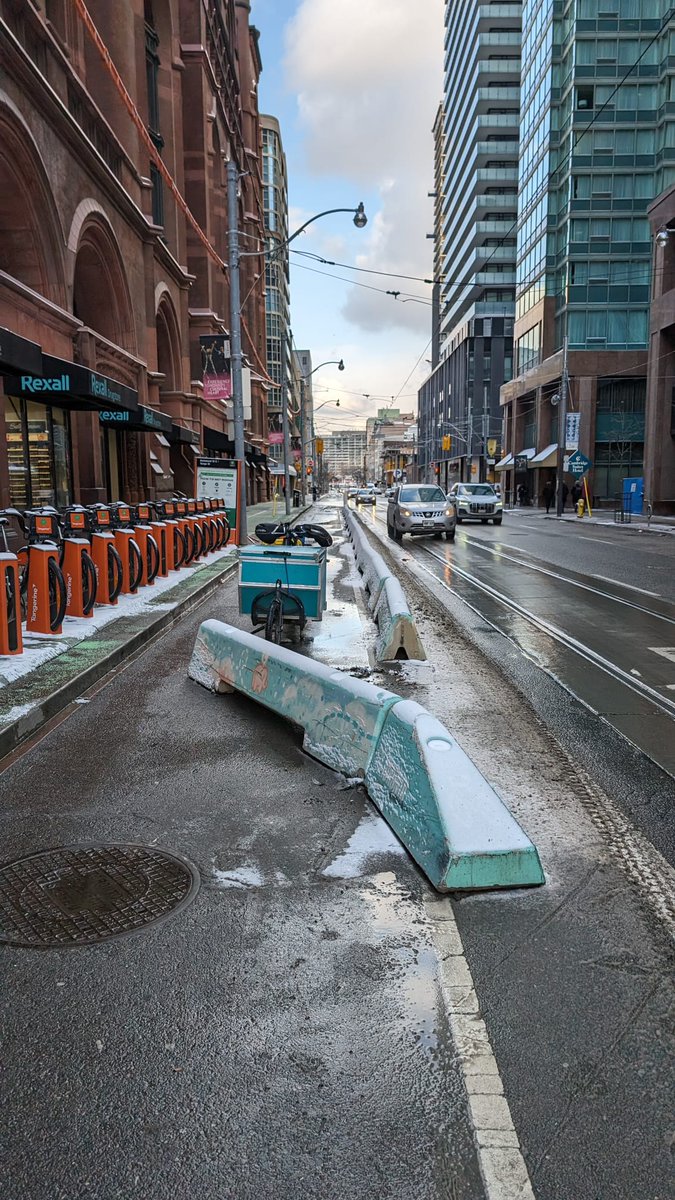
x,y
301,569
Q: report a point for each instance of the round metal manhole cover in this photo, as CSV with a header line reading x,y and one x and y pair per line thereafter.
x,y
80,895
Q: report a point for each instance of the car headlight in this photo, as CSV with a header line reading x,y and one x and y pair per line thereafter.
x,y
498,504
449,512
406,512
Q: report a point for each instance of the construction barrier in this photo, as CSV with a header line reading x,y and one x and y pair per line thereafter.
x,y
437,802
397,632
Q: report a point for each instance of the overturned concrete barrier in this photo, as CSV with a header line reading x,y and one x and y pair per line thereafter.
x,y
443,810
397,632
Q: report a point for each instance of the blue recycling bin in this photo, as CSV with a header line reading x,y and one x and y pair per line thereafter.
x,y
633,495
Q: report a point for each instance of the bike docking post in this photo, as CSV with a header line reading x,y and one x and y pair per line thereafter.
x,y
127,548
219,532
205,525
105,556
11,641
175,542
196,530
186,530
77,565
146,544
160,534
46,593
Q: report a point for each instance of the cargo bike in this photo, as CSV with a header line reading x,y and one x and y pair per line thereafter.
x,y
283,581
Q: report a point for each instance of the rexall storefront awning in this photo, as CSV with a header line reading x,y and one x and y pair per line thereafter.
x,y
70,385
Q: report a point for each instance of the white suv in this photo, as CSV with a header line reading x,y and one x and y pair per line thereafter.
x,y
476,502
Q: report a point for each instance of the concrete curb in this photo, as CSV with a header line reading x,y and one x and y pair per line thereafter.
x,y
12,734
397,632
437,802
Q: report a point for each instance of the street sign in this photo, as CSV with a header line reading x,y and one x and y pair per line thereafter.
x,y
520,462
572,428
578,464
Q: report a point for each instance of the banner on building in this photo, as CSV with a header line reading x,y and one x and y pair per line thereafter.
x,y
276,439
216,366
572,427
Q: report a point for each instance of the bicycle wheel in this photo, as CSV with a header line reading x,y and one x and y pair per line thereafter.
x,y
153,559
190,548
179,548
274,623
115,573
58,595
89,583
135,566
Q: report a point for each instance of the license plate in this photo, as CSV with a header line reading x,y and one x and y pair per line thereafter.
x,y
428,524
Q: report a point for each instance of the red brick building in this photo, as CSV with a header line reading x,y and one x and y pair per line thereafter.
x,y
105,286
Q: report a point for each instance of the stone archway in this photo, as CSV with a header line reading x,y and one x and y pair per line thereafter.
x,y
32,244
101,297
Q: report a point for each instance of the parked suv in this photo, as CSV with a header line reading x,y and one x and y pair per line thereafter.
x,y
419,508
476,502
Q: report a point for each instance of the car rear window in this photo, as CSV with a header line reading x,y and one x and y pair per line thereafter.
x,y
422,495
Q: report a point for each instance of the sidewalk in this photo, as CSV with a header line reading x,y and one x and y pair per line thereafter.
x,y
54,671
601,516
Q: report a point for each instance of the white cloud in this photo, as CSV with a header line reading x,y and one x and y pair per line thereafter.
x,y
368,79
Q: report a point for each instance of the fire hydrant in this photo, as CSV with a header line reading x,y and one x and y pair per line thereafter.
x,y
580,506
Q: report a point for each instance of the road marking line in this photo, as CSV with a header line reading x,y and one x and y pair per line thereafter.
x,y
665,651
632,586
502,1166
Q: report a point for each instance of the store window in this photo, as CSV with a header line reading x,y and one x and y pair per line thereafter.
x,y
38,454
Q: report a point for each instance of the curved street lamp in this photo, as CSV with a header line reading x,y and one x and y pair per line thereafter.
x,y
234,256
339,363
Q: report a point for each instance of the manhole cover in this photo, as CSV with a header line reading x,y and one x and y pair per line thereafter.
x,y
80,895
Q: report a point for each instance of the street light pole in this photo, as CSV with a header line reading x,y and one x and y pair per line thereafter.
x,y
235,342
562,432
284,426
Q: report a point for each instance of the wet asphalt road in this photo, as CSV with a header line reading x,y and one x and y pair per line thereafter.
x,y
285,1035
282,1036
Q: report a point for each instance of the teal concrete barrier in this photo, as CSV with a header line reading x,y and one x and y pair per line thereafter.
x,y
451,821
397,632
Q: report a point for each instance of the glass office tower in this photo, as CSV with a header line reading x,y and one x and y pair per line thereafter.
x,y
597,145
277,291
475,240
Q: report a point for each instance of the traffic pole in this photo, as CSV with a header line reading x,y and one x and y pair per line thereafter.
x,y
235,342
560,464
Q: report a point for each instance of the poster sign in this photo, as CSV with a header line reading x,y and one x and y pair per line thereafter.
x,y
216,478
572,425
492,447
520,462
216,366
276,439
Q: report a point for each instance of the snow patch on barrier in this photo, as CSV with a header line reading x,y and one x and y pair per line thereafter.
x,y
446,814
397,636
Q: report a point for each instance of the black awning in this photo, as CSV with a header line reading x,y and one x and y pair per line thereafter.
x,y
215,439
18,354
144,420
70,385
180,433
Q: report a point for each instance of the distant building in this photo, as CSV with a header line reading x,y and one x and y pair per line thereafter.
x,y
476,140
277,290
345,454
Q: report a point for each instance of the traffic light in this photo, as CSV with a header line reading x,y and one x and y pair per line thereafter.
x,y
447,442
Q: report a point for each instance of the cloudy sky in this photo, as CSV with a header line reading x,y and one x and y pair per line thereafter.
x,y
355,87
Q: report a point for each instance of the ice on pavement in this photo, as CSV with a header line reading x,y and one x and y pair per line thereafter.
x,y
371,837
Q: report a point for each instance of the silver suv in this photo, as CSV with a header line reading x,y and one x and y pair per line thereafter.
x,y
476,502
419,508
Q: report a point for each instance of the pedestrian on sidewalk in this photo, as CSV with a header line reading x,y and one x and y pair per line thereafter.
x,y
522,494
548,492
565,494
577,492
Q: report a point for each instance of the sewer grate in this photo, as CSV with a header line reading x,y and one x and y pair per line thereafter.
x,y
80,895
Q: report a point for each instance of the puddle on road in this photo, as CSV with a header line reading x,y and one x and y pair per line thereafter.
x,y
341,639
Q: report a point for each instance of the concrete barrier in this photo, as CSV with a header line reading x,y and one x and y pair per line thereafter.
x,y
397,632
443,810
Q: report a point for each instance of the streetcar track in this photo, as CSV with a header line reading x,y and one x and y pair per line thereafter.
x,y
552,631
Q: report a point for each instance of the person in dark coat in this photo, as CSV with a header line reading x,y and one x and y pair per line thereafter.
x,y
577,492
565,494
548,492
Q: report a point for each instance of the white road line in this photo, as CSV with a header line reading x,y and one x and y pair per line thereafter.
x,y
500,1159
633,587
665,651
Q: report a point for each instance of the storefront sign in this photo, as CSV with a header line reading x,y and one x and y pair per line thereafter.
x,y
18,354
61,378
216,367
144,418
520,462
